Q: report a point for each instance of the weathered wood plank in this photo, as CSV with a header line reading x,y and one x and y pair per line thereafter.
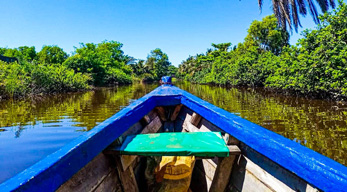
x,y
195,120
153,126
147,119
222,175
187,116
176,112
248,176
152,114
127,177
161,113
189,127
234,150
90,176
209,168
127,160
135,129
208,125
110,183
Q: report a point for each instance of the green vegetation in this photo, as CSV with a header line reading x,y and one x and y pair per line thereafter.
x,y
105,61
27,78
317,64
52,70
156,66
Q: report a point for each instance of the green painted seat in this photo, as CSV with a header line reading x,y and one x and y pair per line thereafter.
x,y
201,144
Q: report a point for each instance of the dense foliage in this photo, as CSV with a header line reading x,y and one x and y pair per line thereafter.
x,y
317,64
20,79
156,66
105,61
53,70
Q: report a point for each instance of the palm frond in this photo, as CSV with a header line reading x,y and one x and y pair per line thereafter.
x,y
324,5
287,11
302,7
332,4
295,15
260,3
313,11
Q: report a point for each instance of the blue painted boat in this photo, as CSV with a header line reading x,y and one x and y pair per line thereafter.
x,y
258,159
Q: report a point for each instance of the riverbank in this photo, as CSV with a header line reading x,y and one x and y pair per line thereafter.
x,y
335,97
52,71
27,79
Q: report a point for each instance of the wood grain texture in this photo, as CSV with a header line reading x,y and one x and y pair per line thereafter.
x,y
248,176
127,177
210,126
153,126
127,160
161,113
176,112
91,176
147,119
195,120
110,183
135,129
222,175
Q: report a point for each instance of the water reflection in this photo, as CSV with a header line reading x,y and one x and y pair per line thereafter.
x,y
318,124
32,129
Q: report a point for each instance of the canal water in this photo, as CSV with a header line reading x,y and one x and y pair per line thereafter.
x,y
32,129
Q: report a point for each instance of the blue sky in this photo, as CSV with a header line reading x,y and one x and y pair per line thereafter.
x,y
180,28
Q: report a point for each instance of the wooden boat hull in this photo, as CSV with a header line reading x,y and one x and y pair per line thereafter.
x,y
268,161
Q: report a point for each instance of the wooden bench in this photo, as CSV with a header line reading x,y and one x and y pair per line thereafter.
x,y
199,144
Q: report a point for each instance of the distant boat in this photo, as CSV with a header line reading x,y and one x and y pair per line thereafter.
x,y
231,153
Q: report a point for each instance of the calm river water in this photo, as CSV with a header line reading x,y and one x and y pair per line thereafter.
x,y
32,129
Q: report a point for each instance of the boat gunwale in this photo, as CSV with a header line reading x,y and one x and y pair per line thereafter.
x,y
316,169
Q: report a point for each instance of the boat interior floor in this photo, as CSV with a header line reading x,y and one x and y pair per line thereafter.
x,y
222,163
176,131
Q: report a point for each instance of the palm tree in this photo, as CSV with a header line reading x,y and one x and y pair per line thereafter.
x,y
287,11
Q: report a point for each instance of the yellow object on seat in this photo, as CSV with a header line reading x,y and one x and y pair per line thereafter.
x,y
174,173
175,167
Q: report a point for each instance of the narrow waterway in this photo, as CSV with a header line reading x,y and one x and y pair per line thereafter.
x,y
32,129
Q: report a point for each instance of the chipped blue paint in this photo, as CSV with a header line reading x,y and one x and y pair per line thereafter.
x,y
57,168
